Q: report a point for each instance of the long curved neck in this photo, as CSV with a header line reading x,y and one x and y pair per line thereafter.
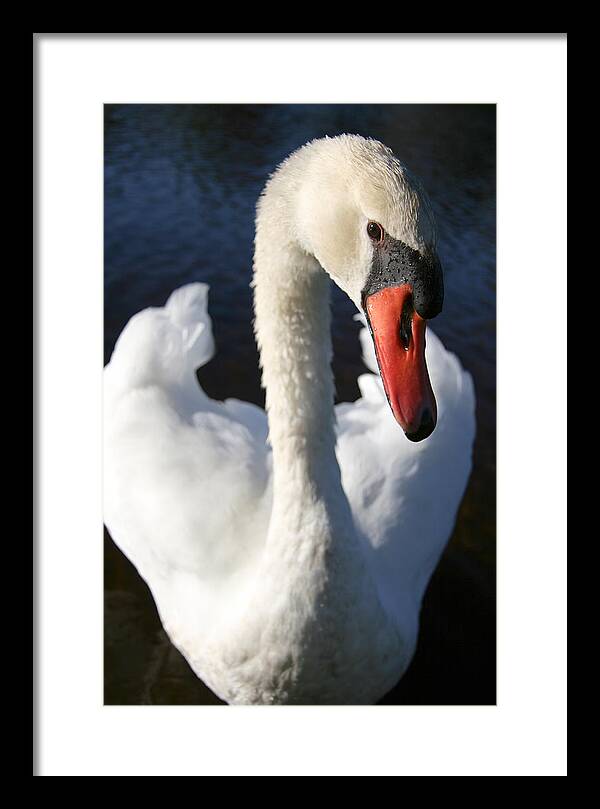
x,y
292,324
312,551
293,332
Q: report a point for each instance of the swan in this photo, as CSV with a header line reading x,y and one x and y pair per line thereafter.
x,y
288,551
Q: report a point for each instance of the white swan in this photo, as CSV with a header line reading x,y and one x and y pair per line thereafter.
x,y
290,568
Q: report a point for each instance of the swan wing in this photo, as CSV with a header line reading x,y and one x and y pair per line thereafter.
x,y
187,480
404,496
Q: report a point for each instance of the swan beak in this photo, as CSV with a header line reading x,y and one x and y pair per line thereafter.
x,y
399,336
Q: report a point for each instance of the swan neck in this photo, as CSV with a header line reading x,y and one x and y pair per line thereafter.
x,y
293,328
293,331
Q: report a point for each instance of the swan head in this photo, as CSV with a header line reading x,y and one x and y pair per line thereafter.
x,y
369,225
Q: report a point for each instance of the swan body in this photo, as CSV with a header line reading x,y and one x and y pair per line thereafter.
x,y
288,550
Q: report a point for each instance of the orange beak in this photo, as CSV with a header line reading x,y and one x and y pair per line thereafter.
x,y
399,337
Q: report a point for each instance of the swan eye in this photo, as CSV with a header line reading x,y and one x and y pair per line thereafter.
x,y
375,232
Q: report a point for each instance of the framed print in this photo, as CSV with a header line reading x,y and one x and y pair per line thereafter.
x,y
294,489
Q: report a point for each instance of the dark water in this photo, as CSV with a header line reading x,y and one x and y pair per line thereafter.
x,y
181,184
